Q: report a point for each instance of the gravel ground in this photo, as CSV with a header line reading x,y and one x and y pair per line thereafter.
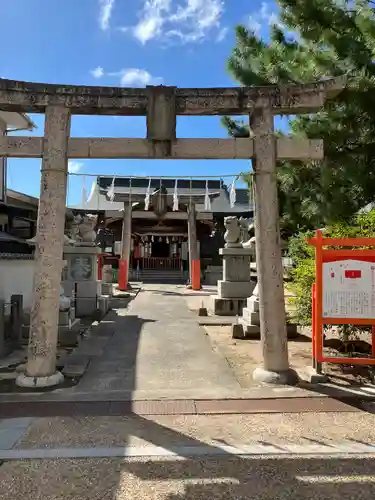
x,y
192,430
224,478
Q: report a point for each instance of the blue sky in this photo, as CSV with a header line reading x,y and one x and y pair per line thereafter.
x,y
129,43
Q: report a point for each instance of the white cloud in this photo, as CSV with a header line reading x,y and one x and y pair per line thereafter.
x,y
189,21
136,77
97,72
266,16
222,34
74,166
128,77
105,13
254,25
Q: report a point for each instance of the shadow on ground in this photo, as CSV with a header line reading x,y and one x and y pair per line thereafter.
x,y
220,476
114,366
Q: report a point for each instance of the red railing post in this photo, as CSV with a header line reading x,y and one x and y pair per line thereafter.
x,y
100,267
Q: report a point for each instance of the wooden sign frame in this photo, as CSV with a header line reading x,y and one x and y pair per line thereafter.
x,y
324,255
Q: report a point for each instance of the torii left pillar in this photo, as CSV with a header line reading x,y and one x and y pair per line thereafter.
x,y
123,271
44,317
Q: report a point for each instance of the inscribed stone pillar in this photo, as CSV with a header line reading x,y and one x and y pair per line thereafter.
x,y
123,275
268,255
194,258
44,317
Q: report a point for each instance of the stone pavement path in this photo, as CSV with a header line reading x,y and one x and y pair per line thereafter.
x,y
158,346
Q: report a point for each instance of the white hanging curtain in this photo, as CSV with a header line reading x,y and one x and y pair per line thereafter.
x,y
148,195
111,191
83,193
175,197
207,201
232,194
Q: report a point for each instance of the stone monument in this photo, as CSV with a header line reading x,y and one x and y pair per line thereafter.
x,y
235,287
82,269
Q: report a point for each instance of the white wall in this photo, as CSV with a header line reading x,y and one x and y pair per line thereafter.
x,y
16,278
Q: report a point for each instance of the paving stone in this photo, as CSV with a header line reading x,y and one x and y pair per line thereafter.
x,y
76,365
12,430
156,345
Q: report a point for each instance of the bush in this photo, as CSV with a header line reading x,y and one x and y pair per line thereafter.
x,y
302,274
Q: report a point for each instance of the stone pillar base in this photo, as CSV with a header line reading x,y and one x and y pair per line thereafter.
x,y
227,307
24,380
287,377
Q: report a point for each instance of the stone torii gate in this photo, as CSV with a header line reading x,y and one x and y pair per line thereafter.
x,y
160,105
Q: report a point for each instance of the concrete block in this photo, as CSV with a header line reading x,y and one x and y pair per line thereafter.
x,y
107,289
235,289
69,288
253,303
237,331
202,311
250,317
252,330
69,336
89,289
103,304
292,330
227,307
313,377
66,317
86,307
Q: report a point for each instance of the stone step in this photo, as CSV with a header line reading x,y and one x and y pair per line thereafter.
x,y
250,317
253,304
252,331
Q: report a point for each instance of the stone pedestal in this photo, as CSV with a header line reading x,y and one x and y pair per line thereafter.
x,y
250,320
235,287
69,327
81,278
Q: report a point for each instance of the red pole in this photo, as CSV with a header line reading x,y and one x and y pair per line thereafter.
x,y
123,274
373,341
100,267
196,274
313,323
319,295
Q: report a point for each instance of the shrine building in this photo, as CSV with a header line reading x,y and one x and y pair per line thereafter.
x,y
159,246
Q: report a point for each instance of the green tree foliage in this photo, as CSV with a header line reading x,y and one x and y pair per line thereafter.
x,y
331,38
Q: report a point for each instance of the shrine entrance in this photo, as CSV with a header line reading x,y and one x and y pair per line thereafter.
x,y
160,105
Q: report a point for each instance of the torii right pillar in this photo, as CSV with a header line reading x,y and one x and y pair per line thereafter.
x,y
275,369
123,271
